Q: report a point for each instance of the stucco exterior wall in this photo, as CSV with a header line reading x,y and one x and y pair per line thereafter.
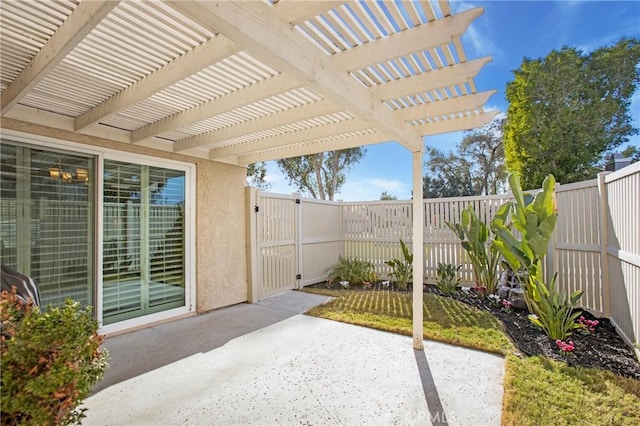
x,y
221,274
221,246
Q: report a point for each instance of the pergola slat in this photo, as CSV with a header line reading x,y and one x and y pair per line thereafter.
x,y
433,109
426,36
253,26
304,112
314,147
210,52
80,23
456,124
455,74
257,91
291,138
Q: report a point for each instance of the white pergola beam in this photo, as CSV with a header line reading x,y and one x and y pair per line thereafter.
x,y
443,107
245,96
182,67
290,138
432,34
289,116
445,77
313,148
296,11
82,20
257,29
456,124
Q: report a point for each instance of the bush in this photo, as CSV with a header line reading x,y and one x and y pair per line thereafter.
x,y
448,278
554,312
49,360
355,271
402,268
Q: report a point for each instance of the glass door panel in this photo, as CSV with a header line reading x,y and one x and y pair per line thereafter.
x,y
46,220
143,242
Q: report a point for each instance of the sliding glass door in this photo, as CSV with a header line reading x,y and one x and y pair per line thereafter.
x,y
143,240
47,220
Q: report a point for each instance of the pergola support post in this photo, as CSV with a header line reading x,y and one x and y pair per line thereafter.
x,y
418,248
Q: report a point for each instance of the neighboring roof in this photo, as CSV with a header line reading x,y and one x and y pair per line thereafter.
x,y
244,81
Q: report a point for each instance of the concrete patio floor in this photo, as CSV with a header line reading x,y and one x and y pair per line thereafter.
x,y
266,364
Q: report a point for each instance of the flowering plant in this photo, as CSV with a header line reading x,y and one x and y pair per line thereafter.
x,y
479,289
565,347
506,305
588,326
494,299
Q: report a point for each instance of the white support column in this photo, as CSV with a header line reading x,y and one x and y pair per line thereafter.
x,y
418,248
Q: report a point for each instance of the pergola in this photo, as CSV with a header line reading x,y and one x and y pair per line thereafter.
x,y
245,81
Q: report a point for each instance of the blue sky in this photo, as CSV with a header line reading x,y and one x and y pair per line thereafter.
x,y
508,31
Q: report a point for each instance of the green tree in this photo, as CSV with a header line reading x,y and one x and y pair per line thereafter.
x,y
320,175
256,176
449,175
566,110
484,150
386,196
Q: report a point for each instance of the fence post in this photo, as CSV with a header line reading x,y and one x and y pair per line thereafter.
x,y
341,207
297,239
253,284
604,242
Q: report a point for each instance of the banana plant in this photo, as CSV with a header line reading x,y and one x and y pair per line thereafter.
x,y
534,217
402,268
474,234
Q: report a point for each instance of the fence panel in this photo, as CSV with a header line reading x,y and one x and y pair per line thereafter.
x,y
320,242
623,248
372,231
575,252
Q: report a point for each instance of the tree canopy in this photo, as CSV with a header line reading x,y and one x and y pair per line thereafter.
x,y
568,109
320,175
385,196
476,168
256,176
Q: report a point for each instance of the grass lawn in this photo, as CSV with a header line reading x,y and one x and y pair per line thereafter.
x,y
537,391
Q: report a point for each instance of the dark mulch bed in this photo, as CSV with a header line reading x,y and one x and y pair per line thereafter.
x,y
603,349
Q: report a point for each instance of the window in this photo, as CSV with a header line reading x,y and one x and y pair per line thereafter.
x,y
47,220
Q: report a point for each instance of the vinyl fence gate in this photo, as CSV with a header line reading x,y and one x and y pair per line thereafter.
x,y
290,241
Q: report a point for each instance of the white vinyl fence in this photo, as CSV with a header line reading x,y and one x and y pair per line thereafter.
x,y
595,247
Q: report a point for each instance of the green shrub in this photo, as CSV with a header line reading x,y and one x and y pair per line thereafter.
x,y
402,268
448,278
474,234
554,311
49,360
355,271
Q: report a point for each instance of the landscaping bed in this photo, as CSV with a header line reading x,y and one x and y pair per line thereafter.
x,y
604,349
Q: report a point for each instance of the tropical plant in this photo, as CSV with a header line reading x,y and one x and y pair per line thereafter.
x,y
448,278
48,360
554,312
402,268
474,235
534,218
355,271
